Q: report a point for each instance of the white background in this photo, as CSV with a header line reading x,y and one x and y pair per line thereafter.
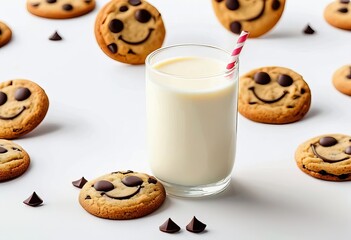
x,y
96,125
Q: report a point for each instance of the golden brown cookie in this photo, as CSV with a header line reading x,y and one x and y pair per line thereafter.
x,y
254,16
275,95
23,105
127,31
60,9
122,195
5,34
338,14
326,157
14,160
342,79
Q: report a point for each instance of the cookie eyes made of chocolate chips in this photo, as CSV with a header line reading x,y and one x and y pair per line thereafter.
x,y
128,30
254,16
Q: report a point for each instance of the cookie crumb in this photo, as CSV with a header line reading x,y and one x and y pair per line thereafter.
x,y
309,30
55,37
34,200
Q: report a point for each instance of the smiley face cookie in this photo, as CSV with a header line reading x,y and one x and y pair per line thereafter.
x,y
14,160
60,9
128,30
338,14
326,157
122,195
342,79
5,34
273,95
23,105
254,16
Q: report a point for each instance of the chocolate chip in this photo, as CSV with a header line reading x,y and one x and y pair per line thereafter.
x,y
308,30
3,98
169,226
349,75
195,226
103,185
123,9
87,197
343,176
22,93
67,7
80,182
327,141
345,1
50,1
152,180
55,37
134,2
116,25
262,78
290,106
3,150
348,150
112,47
87,1
275,4
232,4
302,91
284,80
235,27
132,181
322,172
0,31
33,201
142,15
343,10
130,51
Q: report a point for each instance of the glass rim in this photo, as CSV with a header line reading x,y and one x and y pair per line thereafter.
x,y
225,72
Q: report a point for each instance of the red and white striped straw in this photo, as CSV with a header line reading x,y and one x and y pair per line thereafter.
x,y
239,46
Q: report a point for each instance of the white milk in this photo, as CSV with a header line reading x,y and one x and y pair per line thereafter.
x,y
191,122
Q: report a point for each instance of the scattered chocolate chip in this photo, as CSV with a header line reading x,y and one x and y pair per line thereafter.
x,y
232,4
152,180
50,1
33,201
308,30
285,80
142,15
132,181
195,226
345,1
67,7
348,150
87,197
323,172
262,78
3,150
275,5
134,2
343,10
112,47
116,25
343,176
327,141
235,27
123,9
104,186
3,98
80,182
16,149
55,37
302,91
290,106
22,93
169,226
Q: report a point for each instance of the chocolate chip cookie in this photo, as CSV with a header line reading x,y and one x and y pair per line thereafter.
x,y
338,14
23,105
122,195
274,95
326,157
5,34
254,16
128,30
14,160
60,9
342,79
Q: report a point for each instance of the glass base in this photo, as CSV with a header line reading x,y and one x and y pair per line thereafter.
x,y
196,191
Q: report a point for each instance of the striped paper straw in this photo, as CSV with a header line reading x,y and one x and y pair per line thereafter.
x,y
236,52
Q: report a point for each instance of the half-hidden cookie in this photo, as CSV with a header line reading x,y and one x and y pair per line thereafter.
x,y
254,16
342,79
275,95
60,9
14,160
23,105
122,195
127,31
338,14
5,34
326,157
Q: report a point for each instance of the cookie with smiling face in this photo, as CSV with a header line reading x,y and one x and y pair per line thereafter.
x,y
5,34
342,79
254,16
338,14
122,195
128,30
60,9
14,160
23,105
275,95
326,157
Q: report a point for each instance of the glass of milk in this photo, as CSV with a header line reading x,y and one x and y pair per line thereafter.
x,y
191,105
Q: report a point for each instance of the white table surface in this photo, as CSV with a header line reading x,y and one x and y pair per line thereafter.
x,y
96,125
